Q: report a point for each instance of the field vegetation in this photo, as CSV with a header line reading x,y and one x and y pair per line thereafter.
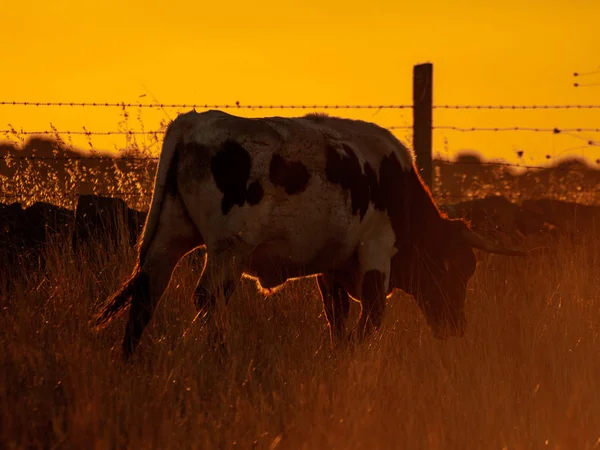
x,y
525,375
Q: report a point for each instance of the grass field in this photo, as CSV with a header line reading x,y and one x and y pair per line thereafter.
x,y
526,374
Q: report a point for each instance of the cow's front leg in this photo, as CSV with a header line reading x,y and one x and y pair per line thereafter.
x,y
336,304
373,302
374,276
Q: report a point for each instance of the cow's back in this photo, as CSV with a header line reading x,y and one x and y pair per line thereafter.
x,y
370,140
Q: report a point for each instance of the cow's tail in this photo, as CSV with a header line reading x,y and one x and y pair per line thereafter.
x,y
118,301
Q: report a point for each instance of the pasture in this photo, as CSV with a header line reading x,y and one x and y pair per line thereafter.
x,y
525,375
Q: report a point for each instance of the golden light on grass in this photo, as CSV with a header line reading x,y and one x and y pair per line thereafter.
x,y
524,376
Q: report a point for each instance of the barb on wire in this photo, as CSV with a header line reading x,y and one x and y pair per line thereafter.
x,y
586,84
583,74
236,105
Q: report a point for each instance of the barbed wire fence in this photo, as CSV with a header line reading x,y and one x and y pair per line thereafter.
x,y
142,191
35,173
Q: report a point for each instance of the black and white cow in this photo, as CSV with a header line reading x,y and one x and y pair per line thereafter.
x,y
279,198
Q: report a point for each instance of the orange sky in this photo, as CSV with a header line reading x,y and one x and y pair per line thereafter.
x,y
305,52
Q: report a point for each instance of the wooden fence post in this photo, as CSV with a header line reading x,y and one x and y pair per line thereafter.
x,y
422,120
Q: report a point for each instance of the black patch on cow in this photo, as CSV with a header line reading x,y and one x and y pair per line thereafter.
x,y
346,171
230,168
375,193
255,193
393,193
171,182
292,176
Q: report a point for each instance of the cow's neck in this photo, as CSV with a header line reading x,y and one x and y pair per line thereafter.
x,y
418,225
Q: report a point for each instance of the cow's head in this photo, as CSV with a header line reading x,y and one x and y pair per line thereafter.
x,y
436,273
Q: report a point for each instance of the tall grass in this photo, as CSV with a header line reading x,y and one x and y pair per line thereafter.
x,y
526,374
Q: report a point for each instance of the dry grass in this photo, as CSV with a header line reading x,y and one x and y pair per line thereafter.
x,y
524,376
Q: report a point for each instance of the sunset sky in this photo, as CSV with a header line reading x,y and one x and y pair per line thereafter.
x,y
307,52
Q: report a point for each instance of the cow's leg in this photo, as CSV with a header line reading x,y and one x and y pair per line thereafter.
x,y
200,299
336,304
374,263
221,276
175,236
373,302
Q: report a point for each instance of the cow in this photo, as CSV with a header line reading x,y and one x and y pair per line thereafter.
x,y
274,199
98,217
24,232
569,219
496,216
486,215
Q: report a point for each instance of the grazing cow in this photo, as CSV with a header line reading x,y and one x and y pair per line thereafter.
x,y
569,219
494,214
279,198
25,231
486,215
102,217
13,243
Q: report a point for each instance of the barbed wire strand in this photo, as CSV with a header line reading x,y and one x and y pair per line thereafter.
x,y
116,158
518,107
518,166
239,105
201,106
64,194
126,159
554,130
122,159
80,133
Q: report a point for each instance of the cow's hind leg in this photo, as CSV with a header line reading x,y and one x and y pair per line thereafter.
x,y
222,273
175,236
336,304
